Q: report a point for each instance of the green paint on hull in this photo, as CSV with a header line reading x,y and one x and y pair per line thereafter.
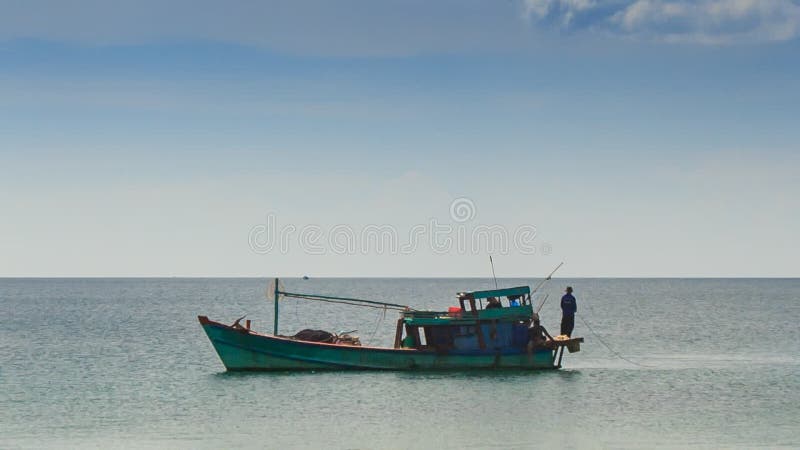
x,y
243,350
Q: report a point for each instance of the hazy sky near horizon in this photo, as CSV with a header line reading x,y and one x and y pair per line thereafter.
x,y
638,137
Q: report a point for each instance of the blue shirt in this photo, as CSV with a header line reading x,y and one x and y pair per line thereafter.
x,y
569,305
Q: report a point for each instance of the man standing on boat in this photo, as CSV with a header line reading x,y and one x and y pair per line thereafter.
x,y
568,309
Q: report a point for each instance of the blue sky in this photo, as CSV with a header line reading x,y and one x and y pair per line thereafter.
x,y
640,138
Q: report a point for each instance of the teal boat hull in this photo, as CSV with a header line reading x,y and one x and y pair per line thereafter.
x,y
240,350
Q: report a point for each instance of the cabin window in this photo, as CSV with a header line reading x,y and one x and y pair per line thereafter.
x,y
419,338
469,305
425,337
441,338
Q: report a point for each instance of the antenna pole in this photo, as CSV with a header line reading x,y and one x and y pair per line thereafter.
x,y
546,279
493,275
275,322
539,308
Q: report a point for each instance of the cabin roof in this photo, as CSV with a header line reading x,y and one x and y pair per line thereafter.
x,y
519,290
434,318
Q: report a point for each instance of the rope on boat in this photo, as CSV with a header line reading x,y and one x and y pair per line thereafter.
x,y
378,323
614,352
348,301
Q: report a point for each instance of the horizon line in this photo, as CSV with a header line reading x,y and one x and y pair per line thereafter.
x,y
190,277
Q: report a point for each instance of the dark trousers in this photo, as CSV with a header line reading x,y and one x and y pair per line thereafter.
x,y
567,324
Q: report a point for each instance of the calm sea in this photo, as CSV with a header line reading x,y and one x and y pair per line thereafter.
x,y
124,363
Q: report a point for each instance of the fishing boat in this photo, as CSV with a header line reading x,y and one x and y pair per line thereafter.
x,y
468,336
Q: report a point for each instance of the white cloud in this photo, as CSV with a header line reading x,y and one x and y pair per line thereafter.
x,y
687,21
566,9
711,21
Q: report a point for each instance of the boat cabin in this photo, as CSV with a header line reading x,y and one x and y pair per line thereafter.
x,y
484,322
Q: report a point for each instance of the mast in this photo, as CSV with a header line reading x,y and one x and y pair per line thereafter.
x,y
275,322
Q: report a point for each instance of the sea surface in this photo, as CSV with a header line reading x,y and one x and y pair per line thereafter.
x,y
667,363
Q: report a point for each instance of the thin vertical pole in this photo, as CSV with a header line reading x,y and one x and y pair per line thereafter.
x,y
493,275
275,322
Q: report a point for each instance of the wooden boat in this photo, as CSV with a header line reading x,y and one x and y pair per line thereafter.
x,y
465,337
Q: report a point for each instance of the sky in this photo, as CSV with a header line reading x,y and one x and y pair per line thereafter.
x,y
626,138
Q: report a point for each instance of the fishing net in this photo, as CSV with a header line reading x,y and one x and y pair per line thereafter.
x,y
314,336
